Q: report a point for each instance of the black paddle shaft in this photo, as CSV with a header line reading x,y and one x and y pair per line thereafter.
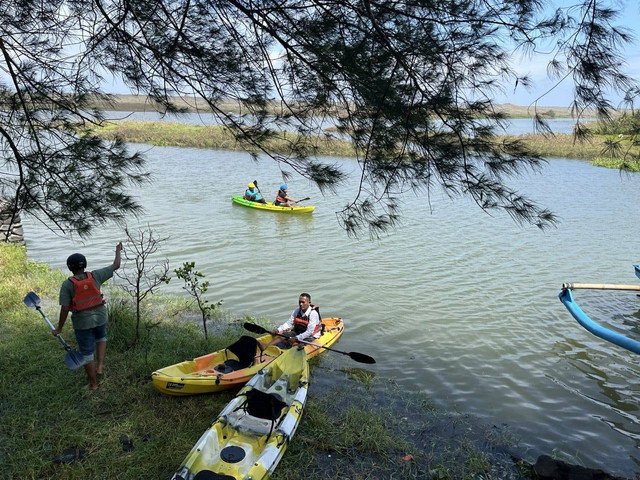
x,y
358,357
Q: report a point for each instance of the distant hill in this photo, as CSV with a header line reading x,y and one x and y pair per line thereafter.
x,y
137,103
519,111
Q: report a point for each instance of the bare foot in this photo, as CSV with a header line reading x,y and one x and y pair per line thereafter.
x,y
100,370
92,387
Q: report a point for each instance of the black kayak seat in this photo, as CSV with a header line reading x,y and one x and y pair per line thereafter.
x,y
209,475
245,349
264,405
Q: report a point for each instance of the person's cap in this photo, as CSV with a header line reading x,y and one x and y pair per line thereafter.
x,y
283,187
76,261
251,185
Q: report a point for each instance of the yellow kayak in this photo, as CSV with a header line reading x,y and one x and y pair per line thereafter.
x,y
224,369
251,434
239,199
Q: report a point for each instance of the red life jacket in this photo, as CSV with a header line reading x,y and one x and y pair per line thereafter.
x,y
280,197
86,295
301,321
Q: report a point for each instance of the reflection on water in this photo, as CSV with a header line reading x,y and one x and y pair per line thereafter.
x,y
458,304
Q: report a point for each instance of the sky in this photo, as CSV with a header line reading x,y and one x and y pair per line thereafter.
x,y
536,68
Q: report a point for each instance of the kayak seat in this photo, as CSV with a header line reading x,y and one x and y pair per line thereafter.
x,y
209,475
264,405
245,351
259,413
228,366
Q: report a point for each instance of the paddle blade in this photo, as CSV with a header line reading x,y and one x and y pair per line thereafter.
x,y
74,360
361,357
253,328
31,300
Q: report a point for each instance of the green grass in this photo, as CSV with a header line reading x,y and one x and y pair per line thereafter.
x,y
631,165
215,137
351,429
564,145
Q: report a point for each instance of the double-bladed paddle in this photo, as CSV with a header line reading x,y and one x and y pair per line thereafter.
x,y
302,200
358,357
73,359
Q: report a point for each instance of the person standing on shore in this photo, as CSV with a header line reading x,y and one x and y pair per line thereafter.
x,y
80,294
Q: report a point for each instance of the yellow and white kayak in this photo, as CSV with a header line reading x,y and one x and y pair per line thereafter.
x,y
251,434
215,371
239,199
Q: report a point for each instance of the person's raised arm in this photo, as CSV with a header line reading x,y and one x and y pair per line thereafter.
x,y
116,260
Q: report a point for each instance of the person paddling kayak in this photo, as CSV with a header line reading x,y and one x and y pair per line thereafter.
x,y
282,199
304,322
253,194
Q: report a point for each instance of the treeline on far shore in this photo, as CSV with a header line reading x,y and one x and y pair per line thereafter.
x,y
619,132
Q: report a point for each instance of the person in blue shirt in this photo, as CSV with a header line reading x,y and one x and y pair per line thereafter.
x,y
253,193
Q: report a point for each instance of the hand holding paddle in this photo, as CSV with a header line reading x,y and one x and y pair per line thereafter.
x,y
358,357
255,182
73,359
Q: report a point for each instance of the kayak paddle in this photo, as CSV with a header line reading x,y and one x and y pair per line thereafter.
x,y
358,357
302,200
73,359
255,182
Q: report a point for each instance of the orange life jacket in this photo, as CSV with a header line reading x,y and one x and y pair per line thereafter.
x,y
301,321
86,295
280,197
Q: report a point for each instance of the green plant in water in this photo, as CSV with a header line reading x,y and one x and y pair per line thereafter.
x,y
360,374
628,165
194,287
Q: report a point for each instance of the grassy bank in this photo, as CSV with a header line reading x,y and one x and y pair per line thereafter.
x,y
351,429
215,137
564,145
220,138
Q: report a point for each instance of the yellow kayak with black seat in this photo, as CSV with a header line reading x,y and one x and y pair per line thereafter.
x,y
233,366
251,434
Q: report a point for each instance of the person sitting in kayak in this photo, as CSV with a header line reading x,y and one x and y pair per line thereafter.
x,y
304,323
253,194
282,199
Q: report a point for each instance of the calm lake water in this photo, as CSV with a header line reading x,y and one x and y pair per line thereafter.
x,y
455,303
